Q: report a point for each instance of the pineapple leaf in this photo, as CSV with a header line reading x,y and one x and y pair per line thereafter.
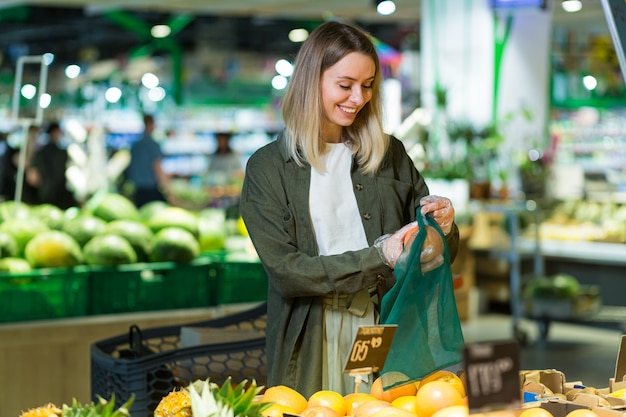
x,y
244,402
226,391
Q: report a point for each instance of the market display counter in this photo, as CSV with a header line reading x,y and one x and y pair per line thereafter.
x,y
48,361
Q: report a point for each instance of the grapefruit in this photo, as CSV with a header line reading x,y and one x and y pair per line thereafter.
x,y
285,396
435,395
378,391
330,399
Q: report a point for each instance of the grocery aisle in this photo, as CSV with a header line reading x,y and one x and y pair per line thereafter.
x,y
583,353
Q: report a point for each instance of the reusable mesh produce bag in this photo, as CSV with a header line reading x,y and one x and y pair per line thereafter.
x,y
429,335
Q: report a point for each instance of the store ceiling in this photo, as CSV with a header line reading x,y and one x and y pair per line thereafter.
x,y
74,27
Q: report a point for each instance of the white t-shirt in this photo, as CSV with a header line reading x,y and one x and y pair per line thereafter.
x,y
334,212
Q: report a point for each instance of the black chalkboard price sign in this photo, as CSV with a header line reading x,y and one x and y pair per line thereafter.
x,y
370,348
492,375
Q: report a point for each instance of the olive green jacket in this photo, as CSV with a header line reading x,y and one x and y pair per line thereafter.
x,y
275,207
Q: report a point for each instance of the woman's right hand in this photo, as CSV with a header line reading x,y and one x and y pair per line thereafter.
x,y
391,246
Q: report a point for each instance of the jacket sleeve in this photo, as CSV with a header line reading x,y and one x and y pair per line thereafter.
x,y
281,231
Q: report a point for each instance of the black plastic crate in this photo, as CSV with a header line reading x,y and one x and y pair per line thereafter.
x,y
165,365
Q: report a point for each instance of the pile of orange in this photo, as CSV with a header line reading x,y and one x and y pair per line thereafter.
x,y
441,394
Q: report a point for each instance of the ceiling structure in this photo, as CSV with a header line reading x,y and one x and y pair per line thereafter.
x,y
70,26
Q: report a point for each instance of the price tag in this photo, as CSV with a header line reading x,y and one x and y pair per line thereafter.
x,y
370,348
492,375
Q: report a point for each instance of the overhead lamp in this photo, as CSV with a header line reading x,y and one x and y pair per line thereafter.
x,y
572,6
385,7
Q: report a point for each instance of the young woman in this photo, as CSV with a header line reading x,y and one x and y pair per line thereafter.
x,y
327,206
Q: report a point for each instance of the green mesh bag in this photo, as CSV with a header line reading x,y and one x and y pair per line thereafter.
x,y
429,335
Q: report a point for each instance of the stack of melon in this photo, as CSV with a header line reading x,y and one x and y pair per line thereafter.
x,y
108,230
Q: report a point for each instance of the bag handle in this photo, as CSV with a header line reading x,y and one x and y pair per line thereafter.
x,y
135,339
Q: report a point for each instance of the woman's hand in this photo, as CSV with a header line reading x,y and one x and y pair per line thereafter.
x,y
390,247
441,209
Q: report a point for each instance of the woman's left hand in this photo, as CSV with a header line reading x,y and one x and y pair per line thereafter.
x,y
441,209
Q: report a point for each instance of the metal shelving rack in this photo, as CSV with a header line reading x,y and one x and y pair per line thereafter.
x,y
516,254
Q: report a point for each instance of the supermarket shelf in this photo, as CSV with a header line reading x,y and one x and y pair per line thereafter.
x,y
594,252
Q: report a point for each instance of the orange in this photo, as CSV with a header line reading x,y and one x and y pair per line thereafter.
x,y
410,236
536,412
453,411
446,376
368,408
406,402
286,396
355,399
392,393
582,412
392,412
277,410
330,399
319,411
435,395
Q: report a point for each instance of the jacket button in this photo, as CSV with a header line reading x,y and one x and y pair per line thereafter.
x,y
359,187
367,216
380,277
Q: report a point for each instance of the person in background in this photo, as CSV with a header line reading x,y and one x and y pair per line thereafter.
x,y
144,170
224,163
47,171
224,172
327,206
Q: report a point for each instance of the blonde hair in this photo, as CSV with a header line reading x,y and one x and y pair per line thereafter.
x,y
303,111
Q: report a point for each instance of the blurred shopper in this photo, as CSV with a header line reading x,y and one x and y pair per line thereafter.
x,y
145,171
48,168
225,163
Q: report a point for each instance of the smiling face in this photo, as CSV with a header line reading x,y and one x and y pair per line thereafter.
x,y
346,88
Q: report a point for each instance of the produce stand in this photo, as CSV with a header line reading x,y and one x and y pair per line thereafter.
x,y
215,278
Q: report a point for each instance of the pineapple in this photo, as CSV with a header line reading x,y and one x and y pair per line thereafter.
x,y
102,409
48,410
175,404
207,399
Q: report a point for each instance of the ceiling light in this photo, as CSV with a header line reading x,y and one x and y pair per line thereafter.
x,y
385,7
160,31
571,5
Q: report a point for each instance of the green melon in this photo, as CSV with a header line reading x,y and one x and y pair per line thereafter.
x,y
84,227
174,217
50,214
53,249
109,250
15,265
174,244
111,206
23,230
8,245
136,233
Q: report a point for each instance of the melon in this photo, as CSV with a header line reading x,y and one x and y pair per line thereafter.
x,y
53,249
174,244
109,250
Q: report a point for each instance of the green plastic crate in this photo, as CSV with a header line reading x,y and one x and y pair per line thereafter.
x,y
151,286
44,294
238,279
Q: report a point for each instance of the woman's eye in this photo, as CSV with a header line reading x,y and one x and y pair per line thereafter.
x,y
345,87
367,86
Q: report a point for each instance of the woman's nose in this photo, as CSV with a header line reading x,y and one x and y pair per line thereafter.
x,y
357,96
